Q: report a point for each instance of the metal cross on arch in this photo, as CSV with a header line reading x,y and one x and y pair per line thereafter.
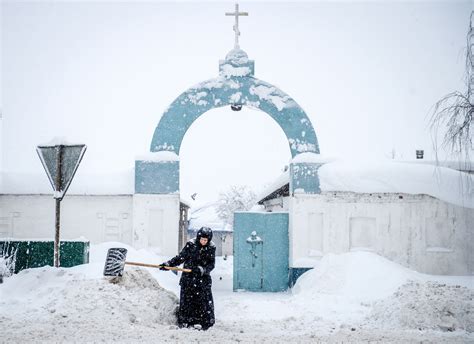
x,y
236,14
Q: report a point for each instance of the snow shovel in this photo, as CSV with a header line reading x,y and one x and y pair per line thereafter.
x,y
115,263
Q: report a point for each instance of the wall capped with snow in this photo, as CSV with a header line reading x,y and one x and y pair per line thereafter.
x,y
96,218
138,220
417,231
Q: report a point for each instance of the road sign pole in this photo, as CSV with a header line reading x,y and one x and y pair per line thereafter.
x,y
59,152
60,161
56,237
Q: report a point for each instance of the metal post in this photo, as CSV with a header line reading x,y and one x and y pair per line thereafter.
x,y
58,205
56,236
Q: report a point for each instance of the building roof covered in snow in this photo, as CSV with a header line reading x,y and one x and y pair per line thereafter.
x,y
388,176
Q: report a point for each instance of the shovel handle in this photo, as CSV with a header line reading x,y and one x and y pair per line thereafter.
x,y
158,266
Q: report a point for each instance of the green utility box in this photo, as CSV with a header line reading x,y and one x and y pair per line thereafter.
x,y
36,253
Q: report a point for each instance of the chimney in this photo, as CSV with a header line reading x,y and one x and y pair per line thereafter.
x,y
419,153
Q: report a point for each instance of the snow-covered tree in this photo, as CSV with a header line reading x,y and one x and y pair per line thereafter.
x,y
453,115
236,198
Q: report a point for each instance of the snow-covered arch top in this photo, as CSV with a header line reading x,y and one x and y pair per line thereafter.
x,y
235,86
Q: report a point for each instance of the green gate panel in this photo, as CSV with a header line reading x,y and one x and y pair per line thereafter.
x,y
35,254
261,251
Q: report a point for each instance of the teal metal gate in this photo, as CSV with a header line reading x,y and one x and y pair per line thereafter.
x,y
261,251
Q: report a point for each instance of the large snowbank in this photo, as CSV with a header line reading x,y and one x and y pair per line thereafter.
x,y
430,305
356,296
347,286
355,276
40,302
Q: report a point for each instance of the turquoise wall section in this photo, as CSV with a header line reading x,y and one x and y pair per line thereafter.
x,y
304,178
156,177
262,266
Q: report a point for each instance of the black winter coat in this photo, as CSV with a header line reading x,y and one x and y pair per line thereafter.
x,y
196,304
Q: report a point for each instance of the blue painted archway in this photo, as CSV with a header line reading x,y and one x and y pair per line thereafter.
x,y
235,86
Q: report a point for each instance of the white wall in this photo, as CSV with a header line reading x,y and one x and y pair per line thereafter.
x,y
417,231
97,218
156,222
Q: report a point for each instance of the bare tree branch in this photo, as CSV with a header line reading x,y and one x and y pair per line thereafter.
x,y
453,114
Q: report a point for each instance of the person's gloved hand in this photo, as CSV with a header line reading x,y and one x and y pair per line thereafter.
x,y
162,266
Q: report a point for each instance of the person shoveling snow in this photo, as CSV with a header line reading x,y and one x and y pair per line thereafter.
x,y
196,308
196,305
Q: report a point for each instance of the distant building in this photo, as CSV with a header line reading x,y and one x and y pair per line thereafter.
x,y
206,216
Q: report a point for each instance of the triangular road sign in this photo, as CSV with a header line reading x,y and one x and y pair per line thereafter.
x,y
60,163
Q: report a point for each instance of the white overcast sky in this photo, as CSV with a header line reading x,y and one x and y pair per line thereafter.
x,y
102,73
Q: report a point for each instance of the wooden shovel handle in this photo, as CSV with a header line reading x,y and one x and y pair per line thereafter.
x,y
158,266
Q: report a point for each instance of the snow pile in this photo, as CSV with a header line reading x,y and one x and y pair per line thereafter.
x,y
351,297
98,254
58,304
359,277
364,290
429,305
38,300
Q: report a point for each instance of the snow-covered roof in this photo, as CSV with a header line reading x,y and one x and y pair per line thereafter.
x,y
186,201
460,165
206,216
390,176
282,180
387,176
84,183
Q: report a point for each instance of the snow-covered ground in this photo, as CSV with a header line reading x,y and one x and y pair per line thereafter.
x,y
356,296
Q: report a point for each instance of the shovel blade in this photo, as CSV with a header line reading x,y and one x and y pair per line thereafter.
x,y
115,261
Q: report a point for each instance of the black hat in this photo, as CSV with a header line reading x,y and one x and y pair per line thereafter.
x,y
204,232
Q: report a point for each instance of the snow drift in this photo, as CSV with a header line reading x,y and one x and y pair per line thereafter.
x,y
366,289
356,276
355,296
426,306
